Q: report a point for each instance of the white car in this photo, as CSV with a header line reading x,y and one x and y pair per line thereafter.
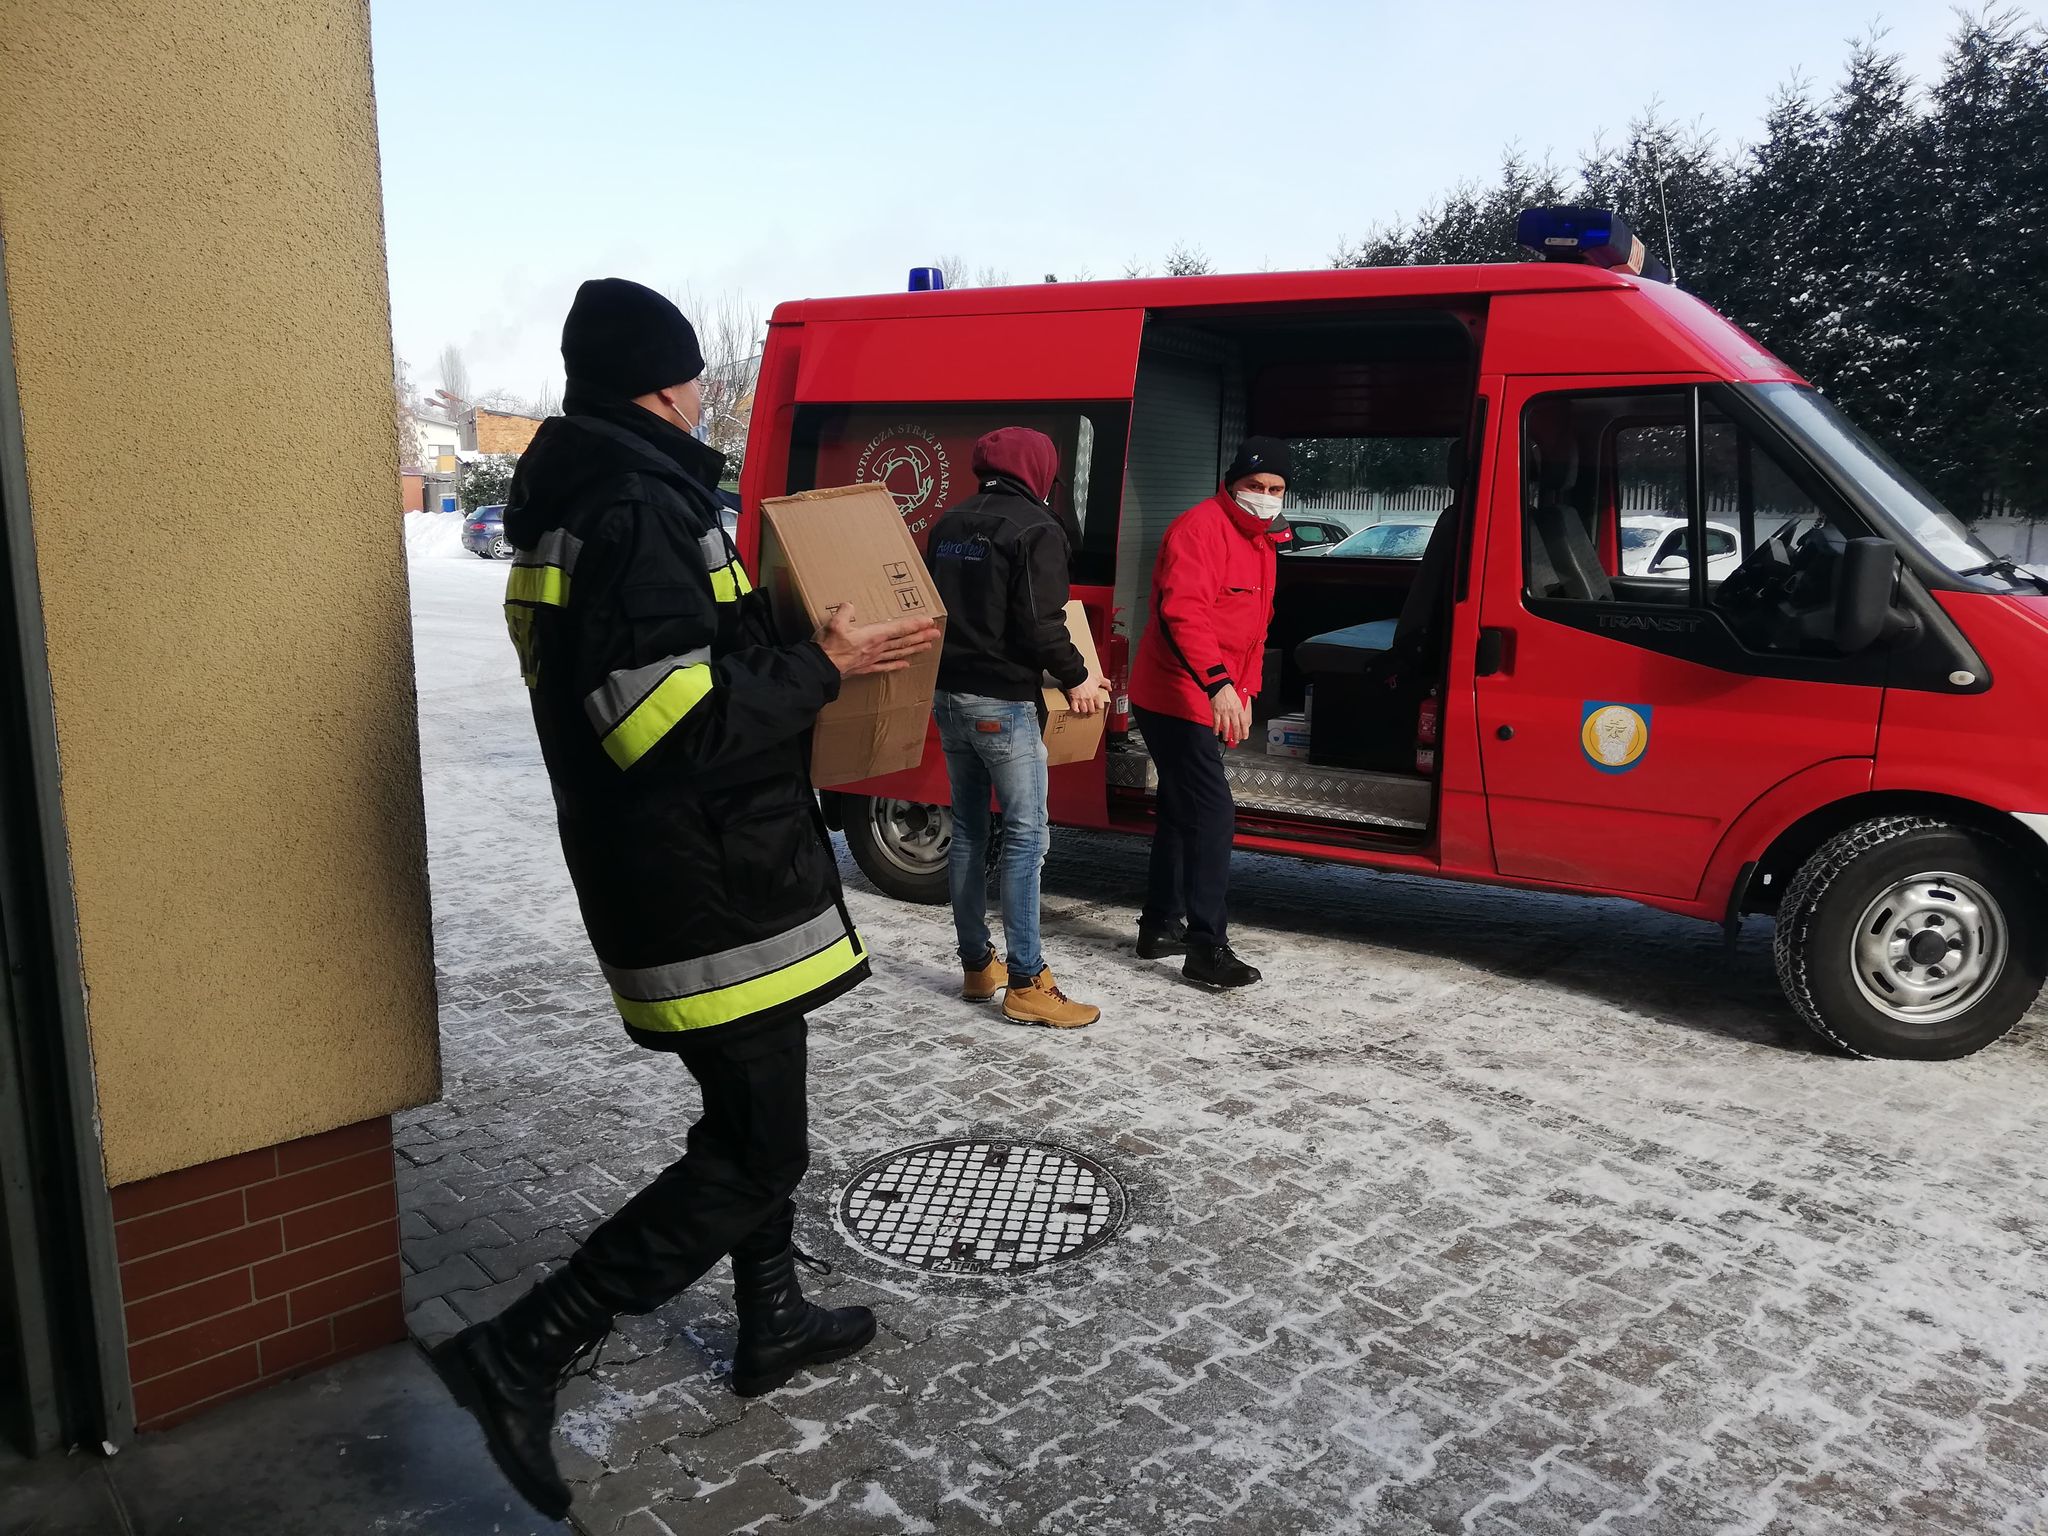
x,y
1655,547
1401,536
1314,534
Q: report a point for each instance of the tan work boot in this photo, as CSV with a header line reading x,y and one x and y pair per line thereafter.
x,y
981,986
1044,1003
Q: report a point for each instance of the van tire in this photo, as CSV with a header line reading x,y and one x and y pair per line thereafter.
x,y
901,847
1828,961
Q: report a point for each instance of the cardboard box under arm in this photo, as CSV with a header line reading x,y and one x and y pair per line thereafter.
x,y
819,550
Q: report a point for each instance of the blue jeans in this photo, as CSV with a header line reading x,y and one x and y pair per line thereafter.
x,y
995,745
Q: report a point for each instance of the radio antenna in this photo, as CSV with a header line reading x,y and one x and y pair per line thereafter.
x,y
1664,211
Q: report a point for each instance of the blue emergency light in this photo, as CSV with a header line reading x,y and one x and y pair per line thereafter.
x,y
927,280
1593,237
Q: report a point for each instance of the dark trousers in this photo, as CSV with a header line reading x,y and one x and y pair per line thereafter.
x,y
1197,820
742,1161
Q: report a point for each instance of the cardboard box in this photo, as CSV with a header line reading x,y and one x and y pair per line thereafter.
x,y
1072,738
823,548
1287,736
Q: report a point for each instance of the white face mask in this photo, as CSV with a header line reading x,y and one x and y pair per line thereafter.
x,y
1261,505
700,429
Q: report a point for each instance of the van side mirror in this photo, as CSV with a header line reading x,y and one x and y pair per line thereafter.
x,y
1863,593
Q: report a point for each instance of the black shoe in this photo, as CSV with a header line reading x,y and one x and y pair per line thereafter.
x,y
507,1371
780,1332
1217,965
1162,941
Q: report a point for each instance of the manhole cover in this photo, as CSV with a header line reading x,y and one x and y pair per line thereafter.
x,y
982,1207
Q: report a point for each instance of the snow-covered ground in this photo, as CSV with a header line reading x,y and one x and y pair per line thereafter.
x,y
1488,1212
434,536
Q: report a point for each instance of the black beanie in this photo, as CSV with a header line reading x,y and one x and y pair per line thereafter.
x,y
622,340
1261,456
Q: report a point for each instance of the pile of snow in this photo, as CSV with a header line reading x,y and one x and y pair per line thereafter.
x,y
434,536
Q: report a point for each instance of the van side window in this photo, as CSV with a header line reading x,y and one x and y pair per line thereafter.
x,y
923,454
1609,485
1600,469
1750,495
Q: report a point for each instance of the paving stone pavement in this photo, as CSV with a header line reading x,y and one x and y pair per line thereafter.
x,y
1486,1213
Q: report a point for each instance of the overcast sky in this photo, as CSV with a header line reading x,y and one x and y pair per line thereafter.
x,y
786,150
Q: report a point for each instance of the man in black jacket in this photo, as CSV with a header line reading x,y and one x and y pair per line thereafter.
x,y
1000,561
675,725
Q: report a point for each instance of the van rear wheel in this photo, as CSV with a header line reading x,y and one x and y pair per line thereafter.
x,y
1914,939
902,847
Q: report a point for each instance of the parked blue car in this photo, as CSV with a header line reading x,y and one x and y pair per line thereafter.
x,y
483,534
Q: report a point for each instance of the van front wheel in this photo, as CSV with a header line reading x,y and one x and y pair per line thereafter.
x,y
1913,939
901,846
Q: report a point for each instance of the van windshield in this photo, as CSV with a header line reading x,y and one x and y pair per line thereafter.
x,y
1832,439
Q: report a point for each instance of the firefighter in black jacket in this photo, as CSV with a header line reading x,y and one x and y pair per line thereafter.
x,y
675,726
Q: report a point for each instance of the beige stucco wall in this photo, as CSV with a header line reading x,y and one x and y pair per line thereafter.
x,y
195,275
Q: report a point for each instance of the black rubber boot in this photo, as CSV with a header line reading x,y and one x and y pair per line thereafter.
x,y
508,1370
1162,943
780,1332
1217,965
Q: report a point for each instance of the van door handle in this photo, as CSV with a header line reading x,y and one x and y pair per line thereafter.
x,y
1493,655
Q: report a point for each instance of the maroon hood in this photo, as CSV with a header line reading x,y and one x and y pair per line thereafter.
x,y
1026,456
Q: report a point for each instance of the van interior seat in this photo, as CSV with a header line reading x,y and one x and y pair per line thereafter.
x,y
1563,559
1354,649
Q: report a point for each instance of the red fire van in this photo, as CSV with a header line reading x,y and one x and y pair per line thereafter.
x,y
1837,717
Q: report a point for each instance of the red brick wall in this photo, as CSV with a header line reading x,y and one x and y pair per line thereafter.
x,y
238,1273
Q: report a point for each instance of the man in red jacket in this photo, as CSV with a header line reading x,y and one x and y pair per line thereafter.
x,y
1192,687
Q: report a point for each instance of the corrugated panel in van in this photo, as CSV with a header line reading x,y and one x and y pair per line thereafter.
x,y
1177,450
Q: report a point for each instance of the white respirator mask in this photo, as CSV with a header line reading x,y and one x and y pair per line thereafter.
x,y
1260,504
700,429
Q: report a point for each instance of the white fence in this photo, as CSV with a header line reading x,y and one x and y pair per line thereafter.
x,y
1362,506
2021,539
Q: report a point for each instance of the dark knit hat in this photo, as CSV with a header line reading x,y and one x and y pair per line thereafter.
x,y
1261,456
622,340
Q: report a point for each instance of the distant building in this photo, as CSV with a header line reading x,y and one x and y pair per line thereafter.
x,y
440,440
452,432
489,431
